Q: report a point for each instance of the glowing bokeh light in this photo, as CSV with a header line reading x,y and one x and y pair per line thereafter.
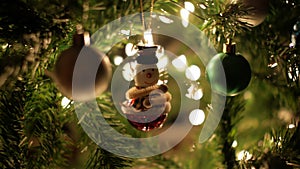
x,y
291,126
244,155
148,38
129,71
130,49
163,62
65,102
234,144
197,117
193,72
118,60
198,94
160,51
189,6
202,6
166,20
185,17
180,63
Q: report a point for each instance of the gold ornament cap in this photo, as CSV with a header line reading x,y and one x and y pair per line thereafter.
x,y
81,38
229,47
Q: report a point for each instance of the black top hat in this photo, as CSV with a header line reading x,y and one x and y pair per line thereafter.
x,y
147,55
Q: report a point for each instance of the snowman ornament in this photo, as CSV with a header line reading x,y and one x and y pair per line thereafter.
x,y
149,102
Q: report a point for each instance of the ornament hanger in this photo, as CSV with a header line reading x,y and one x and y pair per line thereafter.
x,y
148,38
86,36
80,32
229,46
143,15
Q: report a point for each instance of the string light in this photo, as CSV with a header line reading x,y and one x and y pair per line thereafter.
x,y
125,32
291,126
244,155
185,17
129,71
234,144
160,51
5,46
193,72
202,6
148,38
189,6
272,65
118,60
180,63
194,92
163,62
166,20
198,94
130,49
197,117
65,102
185,12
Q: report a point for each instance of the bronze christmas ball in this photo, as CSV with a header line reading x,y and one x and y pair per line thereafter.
x,y
64,69
258,11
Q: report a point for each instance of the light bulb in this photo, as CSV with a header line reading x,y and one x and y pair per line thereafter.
x,y
160,51
198,94
189,6
148,38
180,62
193,72
197,117
130,49
234,144
194,92
291,126
129,71
166,20
202,6
244,155
185,17
118,60
65,102
163,62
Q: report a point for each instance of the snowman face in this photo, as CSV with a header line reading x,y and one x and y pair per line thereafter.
x,y
146,77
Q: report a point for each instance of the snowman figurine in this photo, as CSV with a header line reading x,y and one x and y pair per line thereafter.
x,y
150,102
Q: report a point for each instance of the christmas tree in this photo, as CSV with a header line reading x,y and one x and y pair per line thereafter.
x,y
248,119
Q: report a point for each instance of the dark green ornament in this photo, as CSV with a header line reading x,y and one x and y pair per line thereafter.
x,y
228,73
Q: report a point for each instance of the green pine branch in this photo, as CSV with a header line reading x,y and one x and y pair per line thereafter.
x,y
279,149
226,131
103,159
31,128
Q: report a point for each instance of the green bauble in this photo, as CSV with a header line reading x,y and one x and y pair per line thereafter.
x,y
228,73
